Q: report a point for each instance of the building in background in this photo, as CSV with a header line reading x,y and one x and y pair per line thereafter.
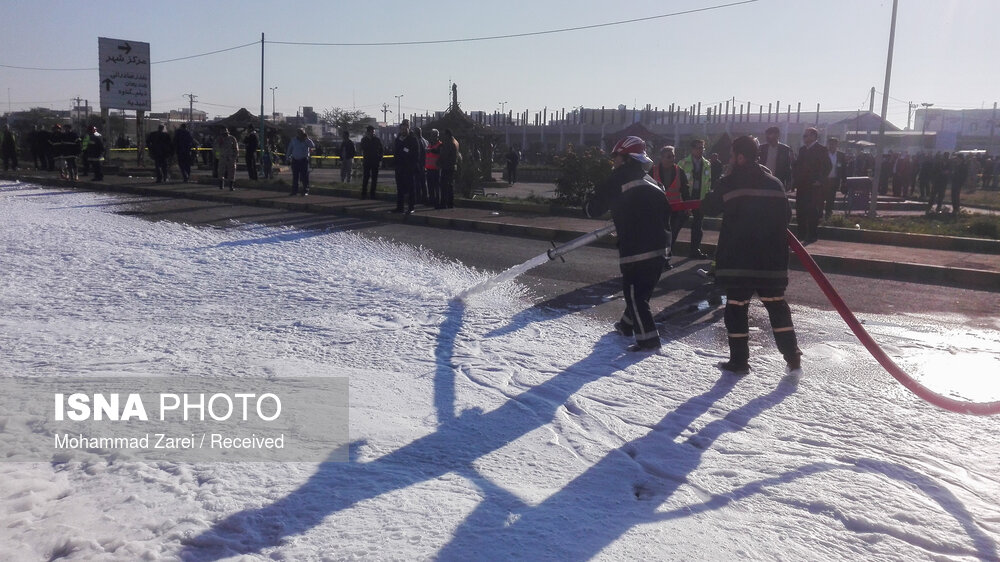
x,y
959,129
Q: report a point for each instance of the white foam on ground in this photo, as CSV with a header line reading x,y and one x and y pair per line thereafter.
x,y
483,430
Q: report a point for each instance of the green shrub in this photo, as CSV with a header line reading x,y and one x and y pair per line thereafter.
x,y
840,221
471,173
579,174
944,224
985,227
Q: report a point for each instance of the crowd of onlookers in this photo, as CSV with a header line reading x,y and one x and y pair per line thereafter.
x,y
904,175
926,176
60,147
929,176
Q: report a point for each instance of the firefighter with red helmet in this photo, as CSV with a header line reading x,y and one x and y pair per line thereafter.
x,y
641,215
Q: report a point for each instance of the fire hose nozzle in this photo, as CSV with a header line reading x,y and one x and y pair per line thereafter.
x,y
589,238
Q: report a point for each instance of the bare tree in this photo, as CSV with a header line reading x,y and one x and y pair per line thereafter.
x,y
353,120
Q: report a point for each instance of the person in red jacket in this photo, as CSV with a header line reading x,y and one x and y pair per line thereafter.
x,y
431,170
674,183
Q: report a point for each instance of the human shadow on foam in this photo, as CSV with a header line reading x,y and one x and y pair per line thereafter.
x,y
622,490
30,187
985,547
696,310
460,440
291,235
121,200
700,308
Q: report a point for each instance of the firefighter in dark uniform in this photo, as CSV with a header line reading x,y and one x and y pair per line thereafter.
x,y
641,214
752,254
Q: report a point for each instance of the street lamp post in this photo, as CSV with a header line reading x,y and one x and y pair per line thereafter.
x,y
273,113
398,107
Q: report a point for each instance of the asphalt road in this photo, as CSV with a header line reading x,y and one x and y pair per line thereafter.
x,y
588,282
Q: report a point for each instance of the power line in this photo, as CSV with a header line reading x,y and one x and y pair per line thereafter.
x,y
513,35
208,53
39,68
153,62
219,104
864,101
892,98
27,102
427,42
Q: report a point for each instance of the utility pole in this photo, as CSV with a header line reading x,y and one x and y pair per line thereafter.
x,y
190,98
385,110
76,108
993,128
909,113
274,112
263,132
398,107
880,143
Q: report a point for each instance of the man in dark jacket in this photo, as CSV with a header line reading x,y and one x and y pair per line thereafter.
x,y
959,175
183,145
642,220
251,144
777,157
36,145
513,159
42,147
95,153
405,155
160,148
54,151
752,254
940,180
8,147
347,153
812,168
70,151
371,160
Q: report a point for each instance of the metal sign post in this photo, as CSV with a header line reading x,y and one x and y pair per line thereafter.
x,y
123,68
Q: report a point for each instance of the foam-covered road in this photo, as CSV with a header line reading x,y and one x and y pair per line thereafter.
x,y
512,426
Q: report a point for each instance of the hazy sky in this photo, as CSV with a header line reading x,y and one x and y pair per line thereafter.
x,y
829,52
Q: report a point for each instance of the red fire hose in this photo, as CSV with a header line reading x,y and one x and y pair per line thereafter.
x,y
960,406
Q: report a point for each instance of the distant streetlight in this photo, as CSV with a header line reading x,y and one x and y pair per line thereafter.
x,y
273,113
923,133
398,107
